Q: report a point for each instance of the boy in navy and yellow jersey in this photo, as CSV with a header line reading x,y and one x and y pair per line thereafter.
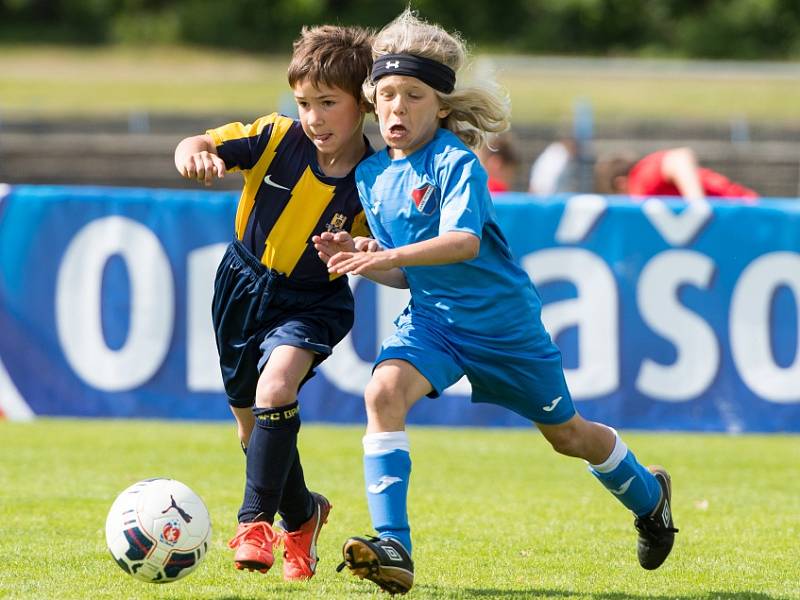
x,y
277,312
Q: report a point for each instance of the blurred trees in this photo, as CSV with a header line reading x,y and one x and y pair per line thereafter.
x,y
747,29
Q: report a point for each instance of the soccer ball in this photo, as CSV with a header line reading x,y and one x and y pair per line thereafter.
x,y
158,530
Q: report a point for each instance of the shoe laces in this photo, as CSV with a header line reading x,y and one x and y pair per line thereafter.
x,y
295,549
259,532
653,526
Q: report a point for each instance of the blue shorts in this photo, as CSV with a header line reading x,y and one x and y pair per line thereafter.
x,y
255,310
526,378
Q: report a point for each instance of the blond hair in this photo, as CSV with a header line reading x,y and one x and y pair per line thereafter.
x,y
475,110
334,56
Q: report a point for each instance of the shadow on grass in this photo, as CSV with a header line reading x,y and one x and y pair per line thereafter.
x,y
746,595
429,591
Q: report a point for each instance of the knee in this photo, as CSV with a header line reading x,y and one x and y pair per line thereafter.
x,y
273,392
383,398
565,439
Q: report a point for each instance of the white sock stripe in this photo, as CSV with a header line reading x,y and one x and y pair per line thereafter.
x,y
616,456
381,443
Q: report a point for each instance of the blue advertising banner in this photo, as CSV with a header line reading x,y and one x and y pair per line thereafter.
x,y
669,316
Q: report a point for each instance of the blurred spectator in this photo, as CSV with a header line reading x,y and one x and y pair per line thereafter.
x,y
554,169
674,172
499,157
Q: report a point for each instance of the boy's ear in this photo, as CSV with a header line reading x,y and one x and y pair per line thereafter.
x,y
443,111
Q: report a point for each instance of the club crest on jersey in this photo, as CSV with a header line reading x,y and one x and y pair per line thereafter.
x,y
337,223
424,199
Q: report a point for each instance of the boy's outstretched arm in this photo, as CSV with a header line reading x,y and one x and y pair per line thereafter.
x,y
196,158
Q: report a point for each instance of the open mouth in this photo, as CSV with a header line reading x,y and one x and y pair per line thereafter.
x,y
322,138
397,130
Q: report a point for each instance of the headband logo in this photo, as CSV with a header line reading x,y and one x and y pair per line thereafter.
x,y
392,64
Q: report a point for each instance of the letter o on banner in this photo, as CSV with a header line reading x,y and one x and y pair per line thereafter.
x,y
750,326
78,304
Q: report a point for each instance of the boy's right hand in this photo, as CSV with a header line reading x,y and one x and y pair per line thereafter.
x,y
202,166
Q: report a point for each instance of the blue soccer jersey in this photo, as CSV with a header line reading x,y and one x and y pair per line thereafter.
x,y
438,189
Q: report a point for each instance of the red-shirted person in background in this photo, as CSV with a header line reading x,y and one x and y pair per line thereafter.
x,y
500,160
673,172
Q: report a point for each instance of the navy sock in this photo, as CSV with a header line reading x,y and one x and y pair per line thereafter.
x,y
270,454
297,505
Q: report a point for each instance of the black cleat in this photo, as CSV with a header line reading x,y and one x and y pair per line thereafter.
x,y
657,530
385,562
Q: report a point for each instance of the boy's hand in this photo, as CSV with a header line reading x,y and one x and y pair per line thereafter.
x,y
203,166
366,244
327,244
196,158
359,263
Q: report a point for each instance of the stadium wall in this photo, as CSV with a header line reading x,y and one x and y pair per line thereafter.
x,y
669,316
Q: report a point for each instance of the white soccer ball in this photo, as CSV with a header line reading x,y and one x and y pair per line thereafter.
x,y
158,530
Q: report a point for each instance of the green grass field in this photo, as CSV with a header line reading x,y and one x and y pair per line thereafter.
x,y
495,514
111,81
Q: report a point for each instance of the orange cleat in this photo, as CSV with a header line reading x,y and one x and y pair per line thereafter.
x,y
300,547
254,542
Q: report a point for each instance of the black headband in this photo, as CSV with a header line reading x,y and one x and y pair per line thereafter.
x,y
437,75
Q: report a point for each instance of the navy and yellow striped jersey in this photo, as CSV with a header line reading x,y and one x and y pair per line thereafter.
x,y
286,198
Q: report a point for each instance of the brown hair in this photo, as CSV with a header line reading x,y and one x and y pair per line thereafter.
x,y
502,146
334,56
607,169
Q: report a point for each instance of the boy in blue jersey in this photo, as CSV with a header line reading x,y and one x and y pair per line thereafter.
x,y
473,311
277,312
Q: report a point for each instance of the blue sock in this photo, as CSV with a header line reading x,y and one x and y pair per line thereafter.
x,y
387,469
632,484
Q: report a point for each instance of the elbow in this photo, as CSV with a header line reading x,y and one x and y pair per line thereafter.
x,y
682,156
471,248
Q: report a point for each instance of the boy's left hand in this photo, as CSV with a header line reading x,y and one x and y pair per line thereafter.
x,y
328,244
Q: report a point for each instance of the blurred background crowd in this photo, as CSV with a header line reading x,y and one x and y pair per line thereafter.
x,y
99,91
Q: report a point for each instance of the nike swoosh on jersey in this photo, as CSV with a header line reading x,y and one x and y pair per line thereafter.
x,y
383,483
624,487
268,181
552,405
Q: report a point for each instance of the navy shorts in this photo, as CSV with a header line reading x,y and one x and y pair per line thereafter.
x,y
256,309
